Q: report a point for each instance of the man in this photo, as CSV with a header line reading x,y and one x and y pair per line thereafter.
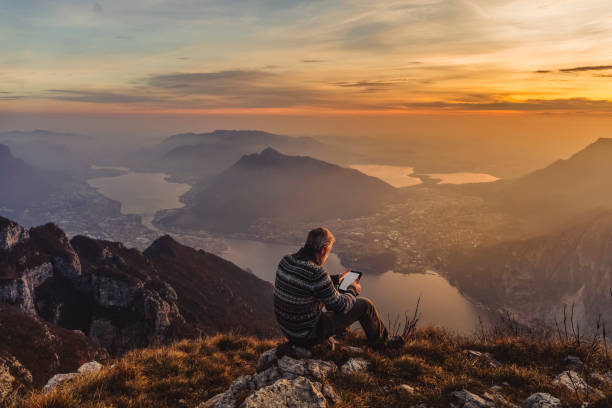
x,y
303,287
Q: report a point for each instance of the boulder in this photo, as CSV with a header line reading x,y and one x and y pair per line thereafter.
x,y
317,369
541,400
57,379
465,399
406,389
573,382
297,393
355,365
267,358
488,357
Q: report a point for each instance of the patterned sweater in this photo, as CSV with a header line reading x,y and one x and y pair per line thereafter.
x,y
301,290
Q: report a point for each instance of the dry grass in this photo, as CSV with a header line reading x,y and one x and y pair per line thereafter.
x,y
433,361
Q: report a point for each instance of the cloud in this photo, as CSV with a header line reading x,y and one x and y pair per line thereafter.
x,y
97,96
216,83
97,8
312,61
570,104
367,86
587,68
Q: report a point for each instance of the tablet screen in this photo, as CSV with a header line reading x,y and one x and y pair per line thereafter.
x,y
348,279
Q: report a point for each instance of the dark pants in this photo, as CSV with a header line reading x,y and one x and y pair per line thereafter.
x,y
364,312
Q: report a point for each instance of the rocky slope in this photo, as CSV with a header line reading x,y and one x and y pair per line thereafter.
x,y
120,297
279,188
535,277
32,350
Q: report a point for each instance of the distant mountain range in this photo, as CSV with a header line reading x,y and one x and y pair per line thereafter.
x,y
280,188
123,298
21,183
565,189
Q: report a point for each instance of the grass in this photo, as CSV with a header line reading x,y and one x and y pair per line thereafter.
x,y
433,361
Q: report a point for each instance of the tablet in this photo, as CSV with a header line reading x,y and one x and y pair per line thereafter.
x,y
350,277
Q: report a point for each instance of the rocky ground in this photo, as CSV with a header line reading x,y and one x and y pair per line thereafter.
x,y
433,369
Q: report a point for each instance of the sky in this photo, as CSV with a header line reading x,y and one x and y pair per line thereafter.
x,y
317,59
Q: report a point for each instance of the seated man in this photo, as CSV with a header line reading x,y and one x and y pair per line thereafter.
x,y
303,287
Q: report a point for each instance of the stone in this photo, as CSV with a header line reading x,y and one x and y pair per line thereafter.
x,y
331,394
485,356
301,352
355,365
236,391
91,367
12,234
267,377
573,363
267,359
405,388
284,393
572,381
541,400
210,403
465,399
57,380
317,369
352,349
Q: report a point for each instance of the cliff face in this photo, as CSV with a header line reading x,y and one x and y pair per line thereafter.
x,y
537,276
101,288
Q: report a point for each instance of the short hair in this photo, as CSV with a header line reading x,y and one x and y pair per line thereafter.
x,y
318,238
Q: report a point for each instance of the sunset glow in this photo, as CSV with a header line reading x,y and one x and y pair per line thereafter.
x,y
306,57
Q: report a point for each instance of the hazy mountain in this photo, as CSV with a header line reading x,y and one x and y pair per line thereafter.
x,y
197,157
122,298
21,183
535,277
565,189
272,186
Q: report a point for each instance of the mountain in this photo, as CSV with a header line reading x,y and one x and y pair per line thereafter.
x,y
197,157
120,297
21,183
562,190
214,294
272,186
535,277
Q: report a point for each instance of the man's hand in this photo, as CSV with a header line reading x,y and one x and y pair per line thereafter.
x,y
355,285
343,275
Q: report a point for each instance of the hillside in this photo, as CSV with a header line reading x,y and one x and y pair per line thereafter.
x,y
535,277
432,370
122,298
566,188
278,188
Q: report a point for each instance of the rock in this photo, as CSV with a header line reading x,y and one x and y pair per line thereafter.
x,y
485,356
317,369
608,377
13,376
355,365
465,399
267,377
331,395
541,400
573,382
352,349
211,402
573,363
297,393
90,367
301,352
237,390
11,234
267,358
57,380
405,388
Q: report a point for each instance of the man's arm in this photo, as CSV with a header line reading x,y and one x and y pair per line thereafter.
x,y
334,301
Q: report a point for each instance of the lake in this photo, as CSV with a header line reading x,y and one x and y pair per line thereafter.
x,y
401,176
394,294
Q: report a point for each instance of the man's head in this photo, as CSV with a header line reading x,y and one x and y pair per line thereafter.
x,y
319,243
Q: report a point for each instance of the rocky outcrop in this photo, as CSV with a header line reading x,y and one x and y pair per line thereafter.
x,y
465,399
541,400
58,379
281,382
109,292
